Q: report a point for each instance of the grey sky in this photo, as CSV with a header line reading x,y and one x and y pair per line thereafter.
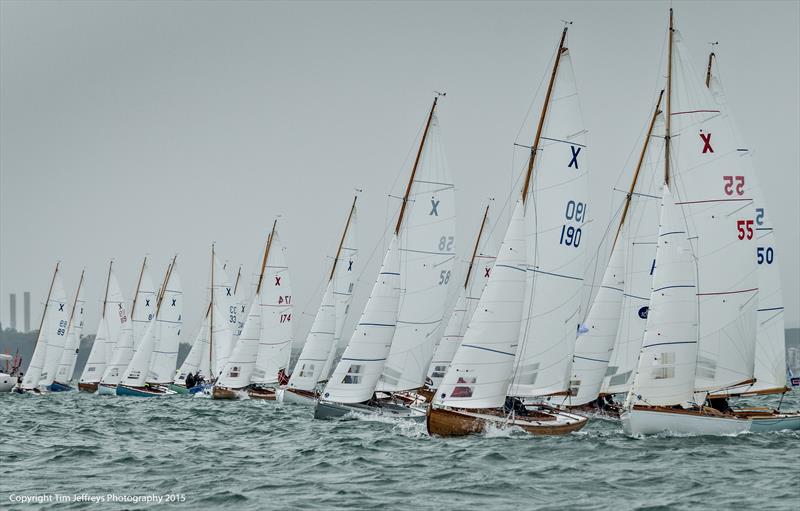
x,y
157,127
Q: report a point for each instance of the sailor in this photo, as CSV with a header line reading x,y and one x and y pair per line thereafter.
x,y
189,381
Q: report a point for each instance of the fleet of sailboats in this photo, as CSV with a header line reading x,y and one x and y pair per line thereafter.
x,y
684,323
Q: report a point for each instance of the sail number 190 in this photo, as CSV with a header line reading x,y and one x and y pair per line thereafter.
x,y
571,235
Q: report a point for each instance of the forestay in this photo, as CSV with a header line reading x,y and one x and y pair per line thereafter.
x,y
481,369
356,375
427,255
50,341
169,321
555,216
666,368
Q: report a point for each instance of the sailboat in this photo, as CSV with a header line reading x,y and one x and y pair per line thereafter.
x,y
519,341
608,345
132,332
69,355
153,364
478,272
214,341
113,318
50,340
686,371
275,342
235,378
314,365
392,345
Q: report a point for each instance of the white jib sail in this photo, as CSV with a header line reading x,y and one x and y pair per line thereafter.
x,y
639,237
356,375
225,317
555,219
714,189
427,256
169,322
464,308
275,344
120,356
770,349
50,342
239,368
198,358
666,369
593,347
344,279
145,307
308,370
480,372
66,367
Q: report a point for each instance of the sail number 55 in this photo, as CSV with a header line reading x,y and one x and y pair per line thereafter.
x,y
745,228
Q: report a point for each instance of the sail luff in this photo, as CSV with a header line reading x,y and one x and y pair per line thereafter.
x,y
344,235
36,366
668,117
477,244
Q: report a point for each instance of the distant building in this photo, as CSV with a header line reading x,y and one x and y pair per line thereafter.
x,y
12,310
26,300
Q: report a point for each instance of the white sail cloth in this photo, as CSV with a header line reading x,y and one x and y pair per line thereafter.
x,y
69,357
114,316
51,338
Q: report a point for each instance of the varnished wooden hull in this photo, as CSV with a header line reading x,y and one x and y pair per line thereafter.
x,y
88,387
225,393
266,393
457,422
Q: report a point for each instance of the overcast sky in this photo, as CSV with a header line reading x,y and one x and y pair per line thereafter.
x,y
159,127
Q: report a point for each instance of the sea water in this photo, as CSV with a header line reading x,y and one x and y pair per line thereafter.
x,y
79,451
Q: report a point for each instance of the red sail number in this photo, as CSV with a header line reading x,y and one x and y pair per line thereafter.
x,y
729,186
745,228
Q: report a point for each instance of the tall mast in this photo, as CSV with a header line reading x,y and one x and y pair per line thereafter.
x,y
542,117
47,302
416,163
164,284
105,296
477,244
669,102
138,285
711,57
75,301
638,167
344,234
266,255
238,276
211,311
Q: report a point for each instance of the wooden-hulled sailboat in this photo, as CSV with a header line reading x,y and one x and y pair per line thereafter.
x,y
714,190
275,342
213,344
141,314
480,266
531,302
607,346
50,339
314,364
112,319
392,345
234,379
69,355
153,363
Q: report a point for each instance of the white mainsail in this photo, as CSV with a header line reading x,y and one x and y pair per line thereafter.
x,y
344,279
237,371
69,357
770,347
113,317
356,375
555,216
198,358
225,318
275,343
714,189
478,273
639,236
144,303
427,256
666,367
52,332
169,321
316,358
480,372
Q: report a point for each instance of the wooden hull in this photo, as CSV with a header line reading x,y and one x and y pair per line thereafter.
x,y
225,393
88,387
265,393
460,422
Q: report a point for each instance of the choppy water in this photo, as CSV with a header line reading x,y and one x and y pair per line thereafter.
x,y
261,455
